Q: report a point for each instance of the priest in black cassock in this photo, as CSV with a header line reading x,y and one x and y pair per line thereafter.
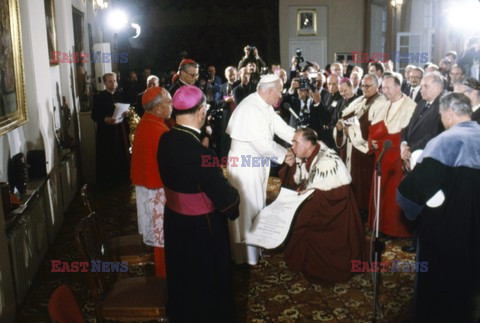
x,y
199,203
112,144
448,226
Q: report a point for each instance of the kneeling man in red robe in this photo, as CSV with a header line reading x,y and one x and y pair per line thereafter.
x,y
327,232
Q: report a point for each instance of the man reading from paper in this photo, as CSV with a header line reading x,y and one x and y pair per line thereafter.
x,y
327,232
252,127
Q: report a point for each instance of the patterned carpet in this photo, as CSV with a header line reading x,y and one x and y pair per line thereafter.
x,y
268,292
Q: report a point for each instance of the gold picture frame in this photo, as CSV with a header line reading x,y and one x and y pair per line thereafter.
x,y
51,31
306,22
13,107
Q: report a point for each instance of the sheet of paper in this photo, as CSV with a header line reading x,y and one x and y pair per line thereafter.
x,y
271,226
120,109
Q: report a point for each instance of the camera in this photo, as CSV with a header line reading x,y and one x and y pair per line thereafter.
x,y
300,58
304,83
251,49
313,83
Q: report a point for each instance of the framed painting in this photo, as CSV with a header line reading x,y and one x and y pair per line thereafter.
x,y
306,22
13,108
51,31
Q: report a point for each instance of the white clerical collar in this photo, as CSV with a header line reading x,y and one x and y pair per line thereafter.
x,y
475,107
189,127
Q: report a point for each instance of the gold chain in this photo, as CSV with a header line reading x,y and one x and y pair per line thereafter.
x,y
187,132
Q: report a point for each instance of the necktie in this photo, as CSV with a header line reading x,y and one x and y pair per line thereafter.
x,y
424,109
411,93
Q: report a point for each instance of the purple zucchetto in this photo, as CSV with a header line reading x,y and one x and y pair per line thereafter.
x,y
186,97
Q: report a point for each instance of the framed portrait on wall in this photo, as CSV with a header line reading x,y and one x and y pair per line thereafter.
x,y
13,109
306,22
51,31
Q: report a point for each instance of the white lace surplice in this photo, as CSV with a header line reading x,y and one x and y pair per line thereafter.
x,y
150,207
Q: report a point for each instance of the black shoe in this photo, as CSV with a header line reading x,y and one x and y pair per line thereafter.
x,y
409,249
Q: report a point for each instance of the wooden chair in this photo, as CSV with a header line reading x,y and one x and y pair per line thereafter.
x,y
130,299
63,307
129,248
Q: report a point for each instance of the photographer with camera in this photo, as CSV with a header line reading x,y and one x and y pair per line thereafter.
x,y
297,60
251,55
303,106
295,69
255,65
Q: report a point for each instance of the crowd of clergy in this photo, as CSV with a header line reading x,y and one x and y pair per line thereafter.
x,y
331,130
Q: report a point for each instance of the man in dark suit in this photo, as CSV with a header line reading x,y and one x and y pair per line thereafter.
x,y
377,69
226,89
471,88
414,78
320,90
225,107
425,123
187,75
302,106
333,102
244,88
356,79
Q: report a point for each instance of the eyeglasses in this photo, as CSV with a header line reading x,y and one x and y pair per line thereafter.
x,y
367,86
195,75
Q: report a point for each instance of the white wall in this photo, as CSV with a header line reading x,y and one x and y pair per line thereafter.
x,y
44,87
339,25
43,83
376,45
418,25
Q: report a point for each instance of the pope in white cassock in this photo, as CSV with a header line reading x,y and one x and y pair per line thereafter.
x,y
251,128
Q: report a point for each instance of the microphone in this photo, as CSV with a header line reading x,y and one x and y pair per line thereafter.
x,y
287,106
386,146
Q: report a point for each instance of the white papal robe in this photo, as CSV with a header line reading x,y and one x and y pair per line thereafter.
x,y
251,128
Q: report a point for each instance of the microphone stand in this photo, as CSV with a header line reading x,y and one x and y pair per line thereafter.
x,y
378,245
